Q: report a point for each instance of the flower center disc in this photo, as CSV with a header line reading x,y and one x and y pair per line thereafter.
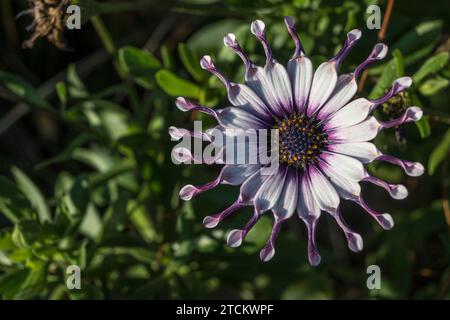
x,y
301,140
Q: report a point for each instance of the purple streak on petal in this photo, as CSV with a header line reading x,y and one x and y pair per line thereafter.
x,y
236,236
258,30
313,253
208,64
231,42
384,219
413,169
378,53
352,38
411,114
186,105
290,25
268,251
354,240
179,133
212,221
398,86
189,191
397,191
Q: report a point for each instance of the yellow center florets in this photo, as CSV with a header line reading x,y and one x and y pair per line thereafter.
x,y
301,140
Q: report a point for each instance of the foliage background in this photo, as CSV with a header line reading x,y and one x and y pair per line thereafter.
x,y
86,176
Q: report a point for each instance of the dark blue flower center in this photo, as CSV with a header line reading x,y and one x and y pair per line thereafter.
x,y
301,140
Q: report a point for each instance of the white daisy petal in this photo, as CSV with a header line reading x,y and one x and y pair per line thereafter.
x,y
346,188
365,152
345,90
256,78
300,71
306,203
323,84
251,186
239,118
323,191
363,131
281,85
287,202
349,167
236,174
351,114
270,191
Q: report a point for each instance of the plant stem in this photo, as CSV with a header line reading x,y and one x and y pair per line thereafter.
x,y
381,37
110,47
384,25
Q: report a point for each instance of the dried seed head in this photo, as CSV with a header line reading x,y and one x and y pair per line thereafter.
x,y
49,17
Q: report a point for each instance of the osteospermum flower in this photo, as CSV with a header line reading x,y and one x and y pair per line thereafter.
x,y
323,140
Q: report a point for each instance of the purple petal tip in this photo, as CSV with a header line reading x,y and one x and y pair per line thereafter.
x,y
386,221
182,104
314,258
234,238
414,113
354,35
380,50
206,63
210,222
398,191
187,192
414,169
402,83
355,242
257,28
230,40
267,253
289,22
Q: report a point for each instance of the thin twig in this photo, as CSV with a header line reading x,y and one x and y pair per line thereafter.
x,y
445,203
381,37
385,24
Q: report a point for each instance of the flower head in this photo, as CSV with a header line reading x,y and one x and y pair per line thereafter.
x,y
323,140
49,17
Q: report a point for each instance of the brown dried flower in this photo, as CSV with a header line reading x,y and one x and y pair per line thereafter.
x,y
49,18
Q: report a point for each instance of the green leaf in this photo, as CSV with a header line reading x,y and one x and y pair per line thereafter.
x,y
91,226
432,65
61,91
417,43
433,86
139,64
400,64
422,35
107,117
191,62
23,90
166,58
142,221
76,87
424,127
13,282
66,154
388,75
33,194
439,153
176,86
13,203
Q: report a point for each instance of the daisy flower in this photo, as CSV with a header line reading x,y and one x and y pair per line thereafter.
x,y
324,140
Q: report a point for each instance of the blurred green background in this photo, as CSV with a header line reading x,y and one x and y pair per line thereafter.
x,y
86,176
